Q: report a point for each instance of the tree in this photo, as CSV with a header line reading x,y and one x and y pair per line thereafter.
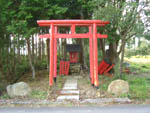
x,y
23,16
146,18
125,22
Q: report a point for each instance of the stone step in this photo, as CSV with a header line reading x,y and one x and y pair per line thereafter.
x,y
68,97
70,92
70,88
70,84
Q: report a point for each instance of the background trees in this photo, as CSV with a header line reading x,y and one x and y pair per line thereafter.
x,y
20,48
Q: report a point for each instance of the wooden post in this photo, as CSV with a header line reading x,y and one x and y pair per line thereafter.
x,y
51,55
55,55
96,81
91,55
73,29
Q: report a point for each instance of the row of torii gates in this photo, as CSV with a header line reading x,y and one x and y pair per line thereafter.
x,y
92,35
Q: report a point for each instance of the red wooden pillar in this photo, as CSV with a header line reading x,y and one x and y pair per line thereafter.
x,y
55,55
73,29
91,55
51,55
95,66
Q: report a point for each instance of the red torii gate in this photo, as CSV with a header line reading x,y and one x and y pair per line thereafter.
x,y
92,35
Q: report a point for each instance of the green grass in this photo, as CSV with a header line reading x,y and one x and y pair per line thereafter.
x,y
4,96
139,79
140,67
41,93
139,64
142,56
60,81
105,82
37,94
139,87
139,82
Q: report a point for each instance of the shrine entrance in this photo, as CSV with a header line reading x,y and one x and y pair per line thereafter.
x,y
92,35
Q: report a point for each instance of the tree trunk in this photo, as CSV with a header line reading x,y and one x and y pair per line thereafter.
x,y
112,53
8,61
122,58
30,59
18,50
59,48
32,46
36,46
81,60
1,65
64,53
40,53
48,52
43,48
102,47
81,43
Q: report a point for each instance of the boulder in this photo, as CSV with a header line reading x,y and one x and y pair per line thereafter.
x,y
118,87
18,89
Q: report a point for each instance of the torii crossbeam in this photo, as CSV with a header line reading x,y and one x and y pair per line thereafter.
x,y
92,35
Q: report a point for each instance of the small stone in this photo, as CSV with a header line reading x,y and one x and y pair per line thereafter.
x,y
91,93
118,87
98,94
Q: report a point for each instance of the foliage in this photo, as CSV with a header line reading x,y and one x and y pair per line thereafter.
x,y
125,24
123,16
18,20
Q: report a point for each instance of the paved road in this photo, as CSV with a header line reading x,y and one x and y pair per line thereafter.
x,y
112,109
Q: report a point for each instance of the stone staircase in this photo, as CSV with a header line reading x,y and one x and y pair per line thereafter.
x,y
70,90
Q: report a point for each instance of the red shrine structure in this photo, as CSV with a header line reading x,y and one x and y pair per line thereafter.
x,y
73,50
92,35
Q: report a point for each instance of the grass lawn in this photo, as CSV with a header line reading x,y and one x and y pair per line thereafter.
x,y
138,79
139,64
139,86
